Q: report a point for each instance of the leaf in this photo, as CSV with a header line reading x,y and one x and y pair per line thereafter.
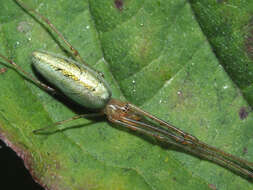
x,y
153,54
229,29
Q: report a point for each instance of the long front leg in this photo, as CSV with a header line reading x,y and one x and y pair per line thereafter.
x,y
191,138
168,138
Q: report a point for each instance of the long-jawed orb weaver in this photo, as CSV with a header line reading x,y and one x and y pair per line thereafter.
x,y
88,88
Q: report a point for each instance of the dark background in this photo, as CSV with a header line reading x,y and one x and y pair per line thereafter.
x,y
13,173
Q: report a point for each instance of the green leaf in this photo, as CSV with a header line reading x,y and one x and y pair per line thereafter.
x,y
229,29
153,54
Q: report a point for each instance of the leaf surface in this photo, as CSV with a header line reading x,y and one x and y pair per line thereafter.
x,y
229,29
153,54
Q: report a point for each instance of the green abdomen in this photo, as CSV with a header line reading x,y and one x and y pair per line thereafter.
x,y
79,82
